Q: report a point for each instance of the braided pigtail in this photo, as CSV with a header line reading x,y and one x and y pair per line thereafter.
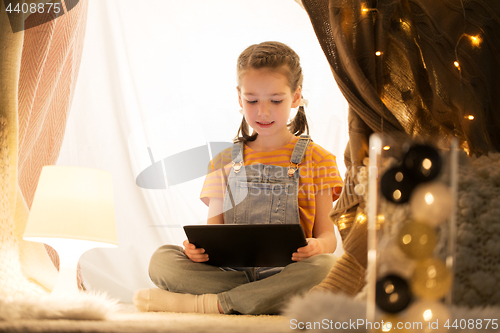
x,y
299,123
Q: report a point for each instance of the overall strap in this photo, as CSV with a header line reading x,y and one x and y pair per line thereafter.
x,y
300,148
237,155
237,158
298,153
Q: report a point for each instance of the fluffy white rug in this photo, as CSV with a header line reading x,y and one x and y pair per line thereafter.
x,y
323,311
85,306
129,320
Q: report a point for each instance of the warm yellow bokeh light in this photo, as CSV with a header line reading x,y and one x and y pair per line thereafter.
x,y
361,218
423,239
428,315
397,194
399,177
407,239
475,40
426,164
429,198
431,271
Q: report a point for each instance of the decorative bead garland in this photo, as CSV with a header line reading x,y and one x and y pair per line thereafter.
x,y
477,258
416,201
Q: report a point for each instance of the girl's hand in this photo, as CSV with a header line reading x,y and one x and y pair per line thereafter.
x,y
312,248
193,253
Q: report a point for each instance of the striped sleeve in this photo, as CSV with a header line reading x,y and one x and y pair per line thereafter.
x,y
325,172
215,182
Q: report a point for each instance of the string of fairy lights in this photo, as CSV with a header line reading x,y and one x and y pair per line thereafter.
x,y
474,40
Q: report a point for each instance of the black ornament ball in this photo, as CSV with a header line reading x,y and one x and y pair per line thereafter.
x,y
397,184
392,294
423,161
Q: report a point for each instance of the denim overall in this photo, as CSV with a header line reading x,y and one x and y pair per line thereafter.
x,y
248,290
263,194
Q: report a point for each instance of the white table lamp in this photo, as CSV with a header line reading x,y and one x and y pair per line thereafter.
x,y
73,212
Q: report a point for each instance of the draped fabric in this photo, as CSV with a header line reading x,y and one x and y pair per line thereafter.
x,y
38,72
413,68
49,68
410,69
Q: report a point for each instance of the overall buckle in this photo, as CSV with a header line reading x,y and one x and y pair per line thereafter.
x,y
237,167
292,168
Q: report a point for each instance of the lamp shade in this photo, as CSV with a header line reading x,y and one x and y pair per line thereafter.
x,y
73,203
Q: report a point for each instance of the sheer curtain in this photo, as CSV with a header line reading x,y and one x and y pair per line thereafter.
x,y
39,64
157,79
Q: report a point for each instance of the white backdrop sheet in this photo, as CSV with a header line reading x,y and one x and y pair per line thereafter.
x,y
161,75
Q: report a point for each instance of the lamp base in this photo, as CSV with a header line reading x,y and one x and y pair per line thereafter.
x,y
70,251
67,283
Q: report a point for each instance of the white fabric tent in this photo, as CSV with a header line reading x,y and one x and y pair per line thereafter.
x,y
161,75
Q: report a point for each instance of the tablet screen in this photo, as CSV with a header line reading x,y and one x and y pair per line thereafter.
x,y
247,245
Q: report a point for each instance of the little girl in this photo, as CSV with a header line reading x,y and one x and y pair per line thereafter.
x,y
274,175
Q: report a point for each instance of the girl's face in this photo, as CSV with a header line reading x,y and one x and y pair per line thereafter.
x,y
266,99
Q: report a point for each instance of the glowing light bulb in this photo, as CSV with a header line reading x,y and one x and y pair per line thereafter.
x,y
417,240
431,279
431,203
457,65
365,10
475,40
361,218
378,53
387,147
470,117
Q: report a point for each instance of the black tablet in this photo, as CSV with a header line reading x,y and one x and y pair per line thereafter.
x,y
247,245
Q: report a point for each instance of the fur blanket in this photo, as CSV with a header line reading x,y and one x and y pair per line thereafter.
x,y
86,306
328,312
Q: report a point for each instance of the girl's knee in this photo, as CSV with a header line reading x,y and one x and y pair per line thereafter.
x,y
165,252
163,263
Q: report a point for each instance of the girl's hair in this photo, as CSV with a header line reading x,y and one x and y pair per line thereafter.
x,y
280,58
